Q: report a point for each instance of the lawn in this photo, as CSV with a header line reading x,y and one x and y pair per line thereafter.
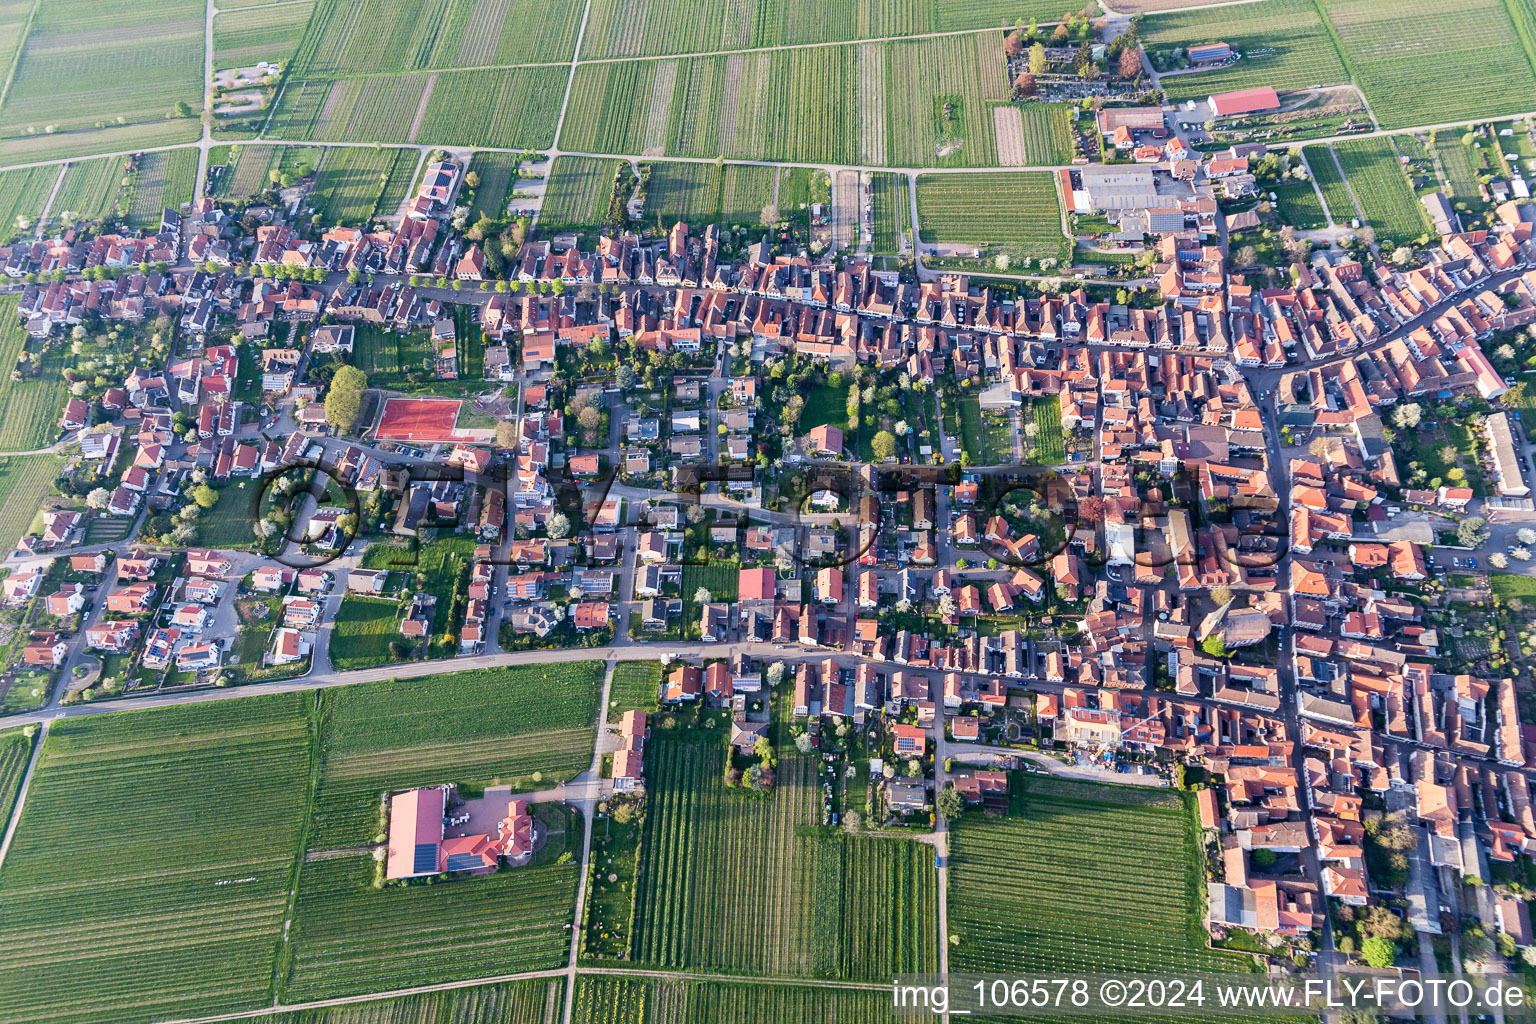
x,y
363,631
136,931
1376,177
24,481
1508,585
1284,45
481,725
1048,447
1296,204
636,685
1414,70
1017,885
231,523
1015,213
713,862
825,405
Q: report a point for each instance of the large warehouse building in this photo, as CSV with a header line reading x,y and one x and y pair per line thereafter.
x,y
1245,101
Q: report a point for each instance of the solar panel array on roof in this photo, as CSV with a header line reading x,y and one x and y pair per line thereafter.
x,y
426,858
465,862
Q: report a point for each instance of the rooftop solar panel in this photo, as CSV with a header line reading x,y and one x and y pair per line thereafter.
x,y
426,858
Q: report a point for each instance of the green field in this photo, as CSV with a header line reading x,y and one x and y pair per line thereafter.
x,y
1047,132
143,57
610,1000
1017,213
364,628
349,937
938,100
636,685
1376,177
1459,163
714,862
1416,70
1296,204
1048,448
347,37
515,108
15,749
1284,44
518,1002
91,190
627,28
479,725
351,182
498,180
1017,885
1325,171
31,406
892,211
162,179
24,481
577,193
166,917
245,38
22,196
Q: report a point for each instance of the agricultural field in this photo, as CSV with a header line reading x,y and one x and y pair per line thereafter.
x,y
1016,885
1284,44
689,192
143,58
636,686
15,749
247,173
938,97
613,1000
788,105
1016,213
91,190
349,937
137,930
1375,175
22,197
577,193
512,109
1296,204
746,193
76,145
506,724
653,28
1415,70
1325,171
167,178
364,628
351,181
350,37
24,481
1459,163
520,1002
892,217
498,180
244,38
31,406
820,906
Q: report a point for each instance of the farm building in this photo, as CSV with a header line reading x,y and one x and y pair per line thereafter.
x,y
1244,101
418,846
1137,119
1209,53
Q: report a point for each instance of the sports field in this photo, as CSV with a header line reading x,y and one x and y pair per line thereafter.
x,y
418,419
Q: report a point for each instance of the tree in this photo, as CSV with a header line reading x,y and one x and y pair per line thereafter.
x,y
1025,83
590,419
1061,36
1037,62
947,606
776,673
1013,44
804,743
1130,62
472,179
1407,416
1378,952
702,596
183,108
559,526
883,445
345,399
1525,535
1499,560
205,496
1473,532
950,803
625,377
1401,256
1247,256
1263,858
98,498
1221,595
1214,646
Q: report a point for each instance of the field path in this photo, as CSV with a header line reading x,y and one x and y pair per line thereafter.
x,y
42,218
21,796
587,805
421,108
565,101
